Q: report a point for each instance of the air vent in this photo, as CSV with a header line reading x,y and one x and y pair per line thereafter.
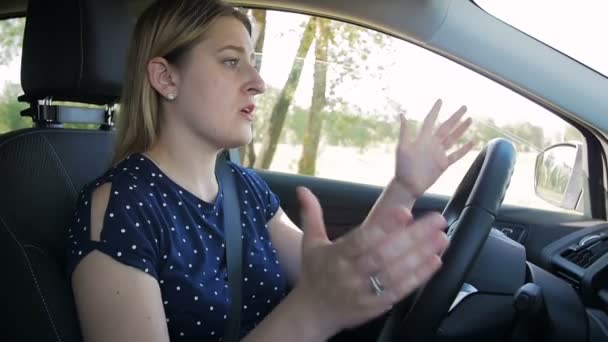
x,y
584,255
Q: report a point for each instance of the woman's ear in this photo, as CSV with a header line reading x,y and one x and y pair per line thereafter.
x,y
163,77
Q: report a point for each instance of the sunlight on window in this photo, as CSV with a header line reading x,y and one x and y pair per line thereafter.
x,y
11,37
335,91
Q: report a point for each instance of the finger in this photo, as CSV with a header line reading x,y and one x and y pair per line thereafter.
x,y
403,139
359,240
388,218
430,222
395,245
439,242
372,233
409,261
384,253
457,133
447,126
312,218
431,118
413,280
406,281
461,152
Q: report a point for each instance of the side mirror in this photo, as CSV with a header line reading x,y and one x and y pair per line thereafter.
x,y
559,177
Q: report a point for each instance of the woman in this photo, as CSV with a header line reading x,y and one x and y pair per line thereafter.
x,y
146,249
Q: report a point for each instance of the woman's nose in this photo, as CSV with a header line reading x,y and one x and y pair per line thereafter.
x,y
256,85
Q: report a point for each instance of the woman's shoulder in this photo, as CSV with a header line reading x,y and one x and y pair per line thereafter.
x,y
245,172
251,184
130,174
248,176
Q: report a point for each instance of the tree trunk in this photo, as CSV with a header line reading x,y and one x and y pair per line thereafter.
x,y
247,152
260,18
310,147
279,112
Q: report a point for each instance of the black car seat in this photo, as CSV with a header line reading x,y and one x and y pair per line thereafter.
x,y
73,50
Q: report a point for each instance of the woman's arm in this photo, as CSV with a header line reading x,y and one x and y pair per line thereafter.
x,y
421,161
291,320
287,240
115,302
120,303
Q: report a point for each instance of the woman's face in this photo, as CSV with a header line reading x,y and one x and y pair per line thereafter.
x,y
217,85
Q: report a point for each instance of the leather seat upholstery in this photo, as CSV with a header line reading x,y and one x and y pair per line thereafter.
x,y
73,50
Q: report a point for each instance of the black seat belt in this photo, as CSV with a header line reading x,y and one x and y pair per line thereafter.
x,y
234,246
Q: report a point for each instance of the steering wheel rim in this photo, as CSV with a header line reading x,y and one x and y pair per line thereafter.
x,y
470,214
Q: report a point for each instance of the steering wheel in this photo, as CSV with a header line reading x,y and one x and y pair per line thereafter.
x,y
470,214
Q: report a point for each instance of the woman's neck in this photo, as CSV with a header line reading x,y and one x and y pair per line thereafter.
x,y
188,162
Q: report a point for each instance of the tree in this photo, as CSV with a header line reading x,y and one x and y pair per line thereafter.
x,y
526,136
247,152
10,109
348,127
481,132
344,45
279,112
11,39
310,146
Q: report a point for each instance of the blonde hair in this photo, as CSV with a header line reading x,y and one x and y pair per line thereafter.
x,y
169,29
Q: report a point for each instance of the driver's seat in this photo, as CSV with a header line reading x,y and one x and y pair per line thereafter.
x,y
73,50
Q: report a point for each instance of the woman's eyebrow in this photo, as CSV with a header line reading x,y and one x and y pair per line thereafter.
x,y
238,49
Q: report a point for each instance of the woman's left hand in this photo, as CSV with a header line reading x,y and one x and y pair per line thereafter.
x,y
421,161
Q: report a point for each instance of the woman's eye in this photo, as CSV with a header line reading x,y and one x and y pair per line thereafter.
x,y
233,62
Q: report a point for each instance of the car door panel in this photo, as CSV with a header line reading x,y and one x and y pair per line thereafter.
x,y
345,205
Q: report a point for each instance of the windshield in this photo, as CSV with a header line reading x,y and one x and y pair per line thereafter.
x,y
579,29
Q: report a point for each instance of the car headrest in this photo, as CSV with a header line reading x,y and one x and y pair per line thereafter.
x,y
75,50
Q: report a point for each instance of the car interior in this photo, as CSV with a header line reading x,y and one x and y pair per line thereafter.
x,y
511,274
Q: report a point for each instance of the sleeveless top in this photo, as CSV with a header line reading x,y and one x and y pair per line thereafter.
x,y
156,226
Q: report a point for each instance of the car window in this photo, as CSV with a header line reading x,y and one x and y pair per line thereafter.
x,y
334,92
11,41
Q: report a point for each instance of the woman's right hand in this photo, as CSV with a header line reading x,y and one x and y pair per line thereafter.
x,y
335,282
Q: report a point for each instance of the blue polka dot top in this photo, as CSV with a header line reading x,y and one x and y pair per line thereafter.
x,y
156,226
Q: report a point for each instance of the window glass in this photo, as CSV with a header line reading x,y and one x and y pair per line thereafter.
x,y
334,92
11,41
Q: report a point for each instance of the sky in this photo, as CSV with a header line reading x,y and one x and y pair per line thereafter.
x,y
414,78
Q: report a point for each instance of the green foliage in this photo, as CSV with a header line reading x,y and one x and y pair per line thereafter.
x,y
295,126
346,126
10,109
572,134
264,105
353,129
553,178
525,136
350,49
11,39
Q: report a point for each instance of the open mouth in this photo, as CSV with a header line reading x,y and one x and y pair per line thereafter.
x,y
248,112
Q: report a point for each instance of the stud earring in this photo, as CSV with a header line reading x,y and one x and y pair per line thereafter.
x,y
171,97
